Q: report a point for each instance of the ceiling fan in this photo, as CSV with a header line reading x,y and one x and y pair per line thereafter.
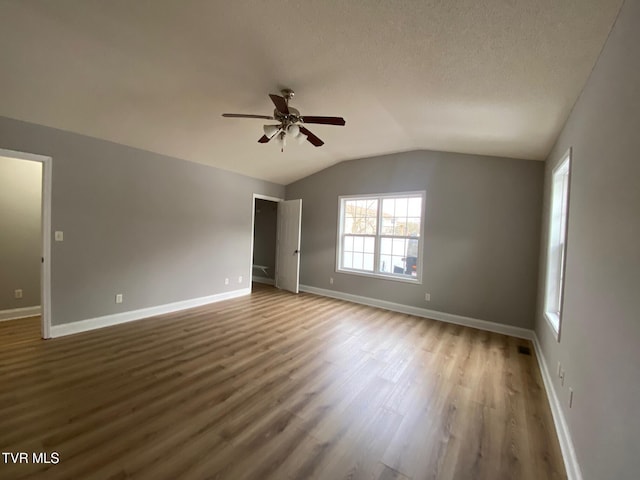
x,y
291,122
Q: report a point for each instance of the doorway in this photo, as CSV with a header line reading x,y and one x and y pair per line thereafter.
x,y
265,225
275,217
27,202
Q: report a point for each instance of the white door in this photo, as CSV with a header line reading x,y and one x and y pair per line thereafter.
x,y
288,249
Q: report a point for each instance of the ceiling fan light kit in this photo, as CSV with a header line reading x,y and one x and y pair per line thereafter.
x,y
291,122
293,130
271,130
300,139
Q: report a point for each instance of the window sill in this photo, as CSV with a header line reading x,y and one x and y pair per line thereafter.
x,y
381,276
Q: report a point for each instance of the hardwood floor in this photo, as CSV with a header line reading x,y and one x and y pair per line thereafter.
x,y
275,386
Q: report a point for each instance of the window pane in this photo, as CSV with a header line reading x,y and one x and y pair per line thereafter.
x,y
388,207
401,227
415,207
385,246
348,243
411,259
399,246
385,264
403,266
347,260
371,226
369,244
412,247
413,226
368,261
357,261
398,265
401,207
372,217
358,244
349,208
401,216
387,225
363,225
348,224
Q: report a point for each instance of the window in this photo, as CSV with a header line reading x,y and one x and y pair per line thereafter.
x,y
381,235
557,243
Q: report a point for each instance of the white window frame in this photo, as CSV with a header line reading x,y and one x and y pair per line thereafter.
x,y
557,244
417,280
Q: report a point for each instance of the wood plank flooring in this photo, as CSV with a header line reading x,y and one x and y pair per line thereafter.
x,y
275,386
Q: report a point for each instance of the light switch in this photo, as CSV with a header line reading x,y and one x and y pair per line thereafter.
x,y
59,236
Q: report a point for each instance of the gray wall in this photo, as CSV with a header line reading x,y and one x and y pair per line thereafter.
x,y
600,336
264,242
20,232
155,228
482,231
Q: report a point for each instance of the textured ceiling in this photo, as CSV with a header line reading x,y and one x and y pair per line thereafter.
x,y
495,77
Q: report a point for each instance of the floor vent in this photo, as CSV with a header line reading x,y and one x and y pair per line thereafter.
x,y
524,350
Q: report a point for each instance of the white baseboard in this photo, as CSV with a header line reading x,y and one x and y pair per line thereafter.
x,y
16,313
117,318
423,312
265,280
564,435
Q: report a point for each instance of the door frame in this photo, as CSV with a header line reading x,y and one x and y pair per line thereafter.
x,y
257,196
45,211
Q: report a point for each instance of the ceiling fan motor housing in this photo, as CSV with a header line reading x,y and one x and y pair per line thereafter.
x,y
287,118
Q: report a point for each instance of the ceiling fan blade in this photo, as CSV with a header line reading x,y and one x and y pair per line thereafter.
x,y
243,115
280,103
311,137
324,120
264,139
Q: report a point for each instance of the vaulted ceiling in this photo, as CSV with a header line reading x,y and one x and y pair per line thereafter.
x,y
495,77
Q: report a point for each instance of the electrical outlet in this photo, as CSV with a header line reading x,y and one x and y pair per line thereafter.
x,y
226,281
119,298
427,297
240,279
330,280
17,293
570,397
